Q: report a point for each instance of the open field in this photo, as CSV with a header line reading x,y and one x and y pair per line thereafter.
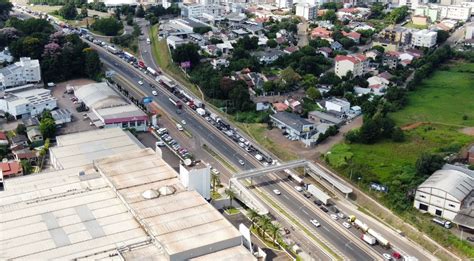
x,y
444,98
437,119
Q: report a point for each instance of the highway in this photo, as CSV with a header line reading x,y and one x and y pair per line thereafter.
x,y
230,150
345,242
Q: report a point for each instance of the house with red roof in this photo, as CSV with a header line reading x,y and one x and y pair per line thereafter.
x,y
355,36
3,139
355,63
11,169
321,32
279,106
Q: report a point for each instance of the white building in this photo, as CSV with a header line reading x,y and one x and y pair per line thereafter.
x,y
20,73
446,193
175,41
309,12
469,31
6,56
355,63
424,38
454,12
197,177
338,105
412,4
285,3
28,103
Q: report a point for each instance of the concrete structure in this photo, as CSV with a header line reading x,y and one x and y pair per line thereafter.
x,y
424,38
411,4
28,103
355,63
309,12
284,3
454,12
196,177
20,73
396,35
124,206
338,105
115,3
446,193
34,135
109,109
431,13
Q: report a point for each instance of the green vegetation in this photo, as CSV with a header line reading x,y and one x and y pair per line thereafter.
x,y
108,26
68,11
415,26
232,211
440,102
444,98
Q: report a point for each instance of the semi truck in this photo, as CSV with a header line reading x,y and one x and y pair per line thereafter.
x,y
366,229
369,239
319,194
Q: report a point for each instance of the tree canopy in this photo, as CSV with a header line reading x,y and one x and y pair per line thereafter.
x,y
108,26
68,11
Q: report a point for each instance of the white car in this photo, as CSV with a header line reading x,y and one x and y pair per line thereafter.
x,y
215,171
154,93
346,225
341,215
140,82
334,216
298,188
241,162
183,122
315,222
179,127
276,191
386,256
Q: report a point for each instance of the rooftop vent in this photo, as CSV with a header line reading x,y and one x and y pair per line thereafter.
x,y
167,190
150,194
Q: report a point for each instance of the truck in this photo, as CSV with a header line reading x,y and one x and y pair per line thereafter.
x,y
198,103
176,102
151,71
112,49
358,224
443,223
369,239
319,194
382,241
259,157
167,82
201,111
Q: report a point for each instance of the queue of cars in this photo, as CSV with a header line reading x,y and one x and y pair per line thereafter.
x,y
166,139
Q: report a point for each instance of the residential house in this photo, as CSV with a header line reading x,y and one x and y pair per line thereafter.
x,y
281,40
279,106
225,47
30,122
336,46
10,169
347,13
321,32
26,154
294,105
34,135
355,36
6,56
210,49
355,63
337,105
3,139
291,49
390,59
372,54
18,140
262,106
325,51
221,62
378,84
269,56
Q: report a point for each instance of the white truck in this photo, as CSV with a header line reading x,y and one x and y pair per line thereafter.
x,y
259,157
112,49
201,111
369,239
443,223
151,71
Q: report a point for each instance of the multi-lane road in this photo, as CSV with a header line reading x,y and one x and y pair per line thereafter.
x,y
344,242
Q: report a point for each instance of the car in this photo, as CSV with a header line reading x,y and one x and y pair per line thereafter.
x,y
318,202
215,171
396,255
179,127
307,195
277,192
140,82
241,144
315,222
298,188
324,209
387,256
334,216
160,143
183,122
346,225
241,162
154,93
287,231
341,215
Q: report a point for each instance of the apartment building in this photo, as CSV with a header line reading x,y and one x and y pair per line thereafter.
x,y
309,12
424,38
396,34
355,63
20,73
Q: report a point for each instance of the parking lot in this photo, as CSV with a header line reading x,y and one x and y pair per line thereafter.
x,y
78,123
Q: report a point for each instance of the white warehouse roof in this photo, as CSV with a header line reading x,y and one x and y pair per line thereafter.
x,y
454,181
99,95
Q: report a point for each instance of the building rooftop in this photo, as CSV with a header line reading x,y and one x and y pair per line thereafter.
x,y
292,120
99,95
118,114
455,181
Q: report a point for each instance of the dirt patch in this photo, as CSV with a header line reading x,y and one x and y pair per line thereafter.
x,y
413,126
468,131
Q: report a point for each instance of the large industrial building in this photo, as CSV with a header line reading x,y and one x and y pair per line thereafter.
x,y
448,193
109,109
117,203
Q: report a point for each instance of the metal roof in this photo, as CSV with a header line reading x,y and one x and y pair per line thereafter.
x,y
99,95
453,181
291,120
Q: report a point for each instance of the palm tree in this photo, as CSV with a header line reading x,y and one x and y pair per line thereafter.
x,y
274,228
253,215
264,222
215,181
231,194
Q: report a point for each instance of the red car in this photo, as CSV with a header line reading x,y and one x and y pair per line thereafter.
x,y
396,255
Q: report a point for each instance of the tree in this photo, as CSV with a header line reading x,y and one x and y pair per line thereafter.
x,y
84,12
92,65
263,223
47,128
68,11
377,11
202,29
215,181
20,129
117,13
313,93
253,215
428,163
26,166
397,15
398,135
330,15
187,52
272,43
231,194
140,12
108,26
442,36
5,9
274,228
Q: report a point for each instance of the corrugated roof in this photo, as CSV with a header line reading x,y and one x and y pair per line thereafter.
x,y
453,181
99,95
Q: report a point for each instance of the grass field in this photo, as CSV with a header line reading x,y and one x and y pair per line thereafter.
x,y
414,26
444,98
444,102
